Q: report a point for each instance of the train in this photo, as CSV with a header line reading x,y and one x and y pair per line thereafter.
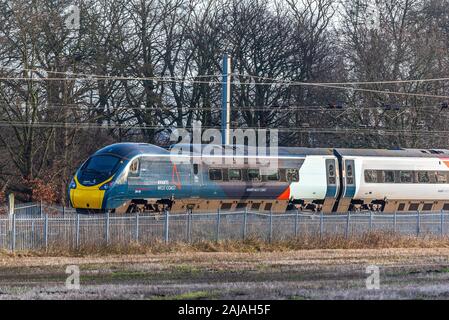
x,y
140,177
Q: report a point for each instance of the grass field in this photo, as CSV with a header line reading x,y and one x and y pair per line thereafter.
x,y
246,271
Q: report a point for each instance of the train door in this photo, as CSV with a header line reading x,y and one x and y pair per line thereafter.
x,y
347,185
349,179
332,182
196,180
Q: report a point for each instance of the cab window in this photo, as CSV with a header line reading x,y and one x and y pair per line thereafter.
x,y
134,168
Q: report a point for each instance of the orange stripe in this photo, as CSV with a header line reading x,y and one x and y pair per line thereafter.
x,y
285,195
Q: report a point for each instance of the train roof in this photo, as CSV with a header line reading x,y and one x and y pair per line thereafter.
x,y
129,149
414,153
282,151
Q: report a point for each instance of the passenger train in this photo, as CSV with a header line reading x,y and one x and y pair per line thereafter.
x,y
137,177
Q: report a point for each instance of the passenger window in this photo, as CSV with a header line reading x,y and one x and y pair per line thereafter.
x,y
215,174
272,176
423,177
388,176
370,176
427,207
441,177
253,175
406,176
292,175
413,206
401,207
195,169
235,174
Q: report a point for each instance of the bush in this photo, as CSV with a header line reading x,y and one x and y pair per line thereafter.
x,y
42,191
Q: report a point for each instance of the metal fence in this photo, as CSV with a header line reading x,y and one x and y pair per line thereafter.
x,y
36,226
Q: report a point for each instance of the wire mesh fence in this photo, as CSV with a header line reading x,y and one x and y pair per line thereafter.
x,y
35,226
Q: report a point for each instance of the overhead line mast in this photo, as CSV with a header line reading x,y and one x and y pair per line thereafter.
x,y
226,100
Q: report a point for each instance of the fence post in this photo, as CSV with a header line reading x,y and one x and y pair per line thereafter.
x,y
46,231
296,223
418,223
321,224
13,233
166,236
441,223
271,226
395,222
40,208
217,235
347,226
245,218
189,226
107,227
77,230
370,221
137,227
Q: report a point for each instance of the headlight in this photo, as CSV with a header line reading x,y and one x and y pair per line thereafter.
x,y
72,184
106,186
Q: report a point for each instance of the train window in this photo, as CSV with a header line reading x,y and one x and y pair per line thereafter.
x,y
253,175
441,177
268,206
370,176
423,177
255,206
388,176
406,176
215,174
446,207
134,168
349,170
292,175
331,170
401,207
427,206
413,206
235,174
195,168
274,176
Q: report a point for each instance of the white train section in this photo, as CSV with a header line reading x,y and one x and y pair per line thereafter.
x,y
393,180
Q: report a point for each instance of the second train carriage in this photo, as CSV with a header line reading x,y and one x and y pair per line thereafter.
x,y
128,177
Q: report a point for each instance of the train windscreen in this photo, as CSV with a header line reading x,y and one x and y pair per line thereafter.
x,y
98,168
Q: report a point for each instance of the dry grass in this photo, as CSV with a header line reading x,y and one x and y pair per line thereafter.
x,y
370,240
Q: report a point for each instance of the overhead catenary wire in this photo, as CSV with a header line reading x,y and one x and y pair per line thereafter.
x,y
130,126
275,80
284,83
